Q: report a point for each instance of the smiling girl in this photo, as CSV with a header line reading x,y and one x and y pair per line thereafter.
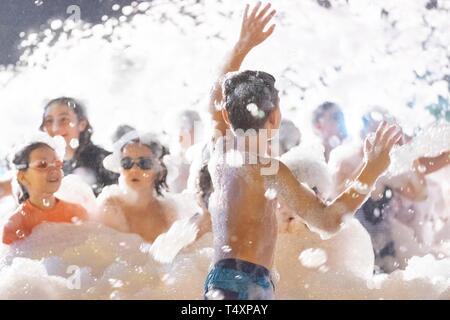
x,y
39,176
67,117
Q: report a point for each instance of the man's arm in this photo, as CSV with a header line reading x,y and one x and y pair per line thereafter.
x,y
328,217
252,34
435,163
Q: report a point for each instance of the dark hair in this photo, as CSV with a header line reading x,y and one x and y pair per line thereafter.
x,y
159,151
187,119
321,109
21,161
290,136
204,184
368,119
80,110
245,88
121,131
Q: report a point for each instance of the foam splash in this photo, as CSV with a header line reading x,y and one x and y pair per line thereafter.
x,y
167,245
103,262
119,54
90,261
313,258
420,146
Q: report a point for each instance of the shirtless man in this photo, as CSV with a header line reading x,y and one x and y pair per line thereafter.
x,y
243,204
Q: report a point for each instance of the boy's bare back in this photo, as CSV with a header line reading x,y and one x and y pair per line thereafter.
x,y
244,220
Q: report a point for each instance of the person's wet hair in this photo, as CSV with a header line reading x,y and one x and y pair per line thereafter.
x,y
338,116
21,161
372,117
80,111
320,111
159,151
187,119
204,185
290,136
121,131
375,115
243,91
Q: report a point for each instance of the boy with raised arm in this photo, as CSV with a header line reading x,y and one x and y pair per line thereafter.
x,y
243,204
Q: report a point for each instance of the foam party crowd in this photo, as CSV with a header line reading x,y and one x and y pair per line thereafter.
x,y
224,150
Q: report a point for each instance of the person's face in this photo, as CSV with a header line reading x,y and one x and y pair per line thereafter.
x,y
44,173
332,124
139,166
186,138
61,120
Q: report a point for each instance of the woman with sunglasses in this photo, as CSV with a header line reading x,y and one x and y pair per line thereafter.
x,y
39,175
137,205
67,117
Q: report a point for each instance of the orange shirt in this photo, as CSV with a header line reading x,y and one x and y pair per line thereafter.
x,y
28,216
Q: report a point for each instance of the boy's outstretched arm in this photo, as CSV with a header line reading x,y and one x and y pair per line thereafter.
x,y
252,34
328,217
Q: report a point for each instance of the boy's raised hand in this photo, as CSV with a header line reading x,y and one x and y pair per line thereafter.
x,y
253,24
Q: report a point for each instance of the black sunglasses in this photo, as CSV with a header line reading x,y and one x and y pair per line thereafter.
x,y
144,163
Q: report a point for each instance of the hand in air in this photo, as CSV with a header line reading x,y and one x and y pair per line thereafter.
x,y
253,25
377,146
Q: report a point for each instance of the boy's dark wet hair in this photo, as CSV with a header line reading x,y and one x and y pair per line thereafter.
x,y
80,110
159,151
21,160
244,88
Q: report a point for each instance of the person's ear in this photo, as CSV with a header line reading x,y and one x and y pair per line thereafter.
x,y
274,119
271,120
22,179
225,117
82,125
